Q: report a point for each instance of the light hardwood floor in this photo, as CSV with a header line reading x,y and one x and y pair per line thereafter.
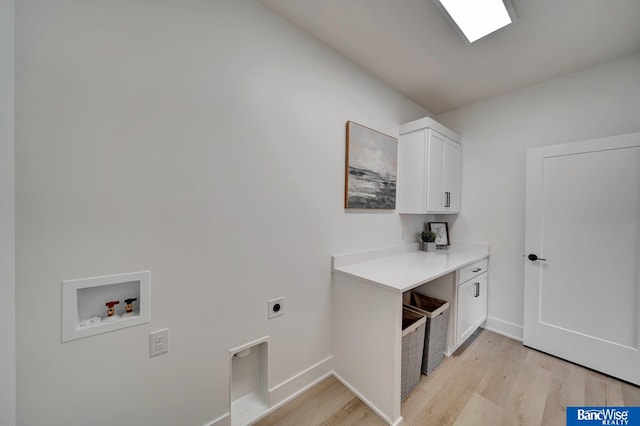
x,y
491,380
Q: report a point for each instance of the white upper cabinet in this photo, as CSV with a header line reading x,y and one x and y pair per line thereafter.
x,y
428,168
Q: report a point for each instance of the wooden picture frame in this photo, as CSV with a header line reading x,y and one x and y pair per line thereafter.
x,y
441,229
370,169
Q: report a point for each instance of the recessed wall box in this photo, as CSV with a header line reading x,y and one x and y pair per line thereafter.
x,y
83,304
248,390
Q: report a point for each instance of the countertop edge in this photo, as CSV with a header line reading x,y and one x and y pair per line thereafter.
x,y
483,253
366,280
448,271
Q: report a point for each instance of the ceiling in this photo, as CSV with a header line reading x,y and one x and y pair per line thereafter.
x,y
409,45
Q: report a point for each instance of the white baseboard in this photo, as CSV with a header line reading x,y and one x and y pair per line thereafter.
x,y
224,420
506,328
301,382
367,402
289,389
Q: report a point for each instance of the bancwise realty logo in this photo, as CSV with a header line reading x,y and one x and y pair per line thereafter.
x,y
583,416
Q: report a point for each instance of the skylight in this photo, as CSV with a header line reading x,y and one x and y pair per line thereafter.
x,y
477,18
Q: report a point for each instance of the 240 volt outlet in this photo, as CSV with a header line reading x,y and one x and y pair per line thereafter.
x,y
275,307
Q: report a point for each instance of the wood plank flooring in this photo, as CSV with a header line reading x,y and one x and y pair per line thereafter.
x,y
491,380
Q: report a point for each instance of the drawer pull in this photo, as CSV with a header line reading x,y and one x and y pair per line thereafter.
x,y
477,270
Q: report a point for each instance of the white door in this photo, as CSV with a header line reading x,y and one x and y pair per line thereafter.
x,y
582,296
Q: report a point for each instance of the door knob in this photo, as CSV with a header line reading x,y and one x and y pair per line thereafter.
x,y
532,257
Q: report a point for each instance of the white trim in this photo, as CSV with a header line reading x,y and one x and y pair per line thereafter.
x,y
224,420
369,403
248,345
322,369
298,384
430,123
286,391
300,392
505,328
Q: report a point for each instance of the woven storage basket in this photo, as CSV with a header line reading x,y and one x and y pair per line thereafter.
x,y
413,327
436,312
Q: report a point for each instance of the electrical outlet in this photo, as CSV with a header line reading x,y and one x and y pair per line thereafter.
x,y
158,342
276,307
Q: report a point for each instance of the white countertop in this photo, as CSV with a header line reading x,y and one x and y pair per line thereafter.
x,y
402,268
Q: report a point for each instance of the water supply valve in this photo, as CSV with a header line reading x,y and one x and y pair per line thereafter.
x,y
128,305
110,307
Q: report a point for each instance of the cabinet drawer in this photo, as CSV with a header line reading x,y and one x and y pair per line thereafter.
x,y
473,270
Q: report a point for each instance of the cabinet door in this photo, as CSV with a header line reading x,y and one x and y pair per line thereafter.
x,y
466,296
428,173
480,301
411,189
452,177
472,307
436,172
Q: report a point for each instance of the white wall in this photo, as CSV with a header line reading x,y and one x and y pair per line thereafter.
x,y
596,102
203,140
7,219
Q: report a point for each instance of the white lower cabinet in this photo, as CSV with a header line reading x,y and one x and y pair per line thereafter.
x,y
472,306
